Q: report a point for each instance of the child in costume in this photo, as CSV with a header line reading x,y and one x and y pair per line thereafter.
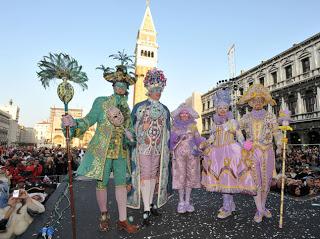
x,y
223,169
260,127
151,121
184,142
108,149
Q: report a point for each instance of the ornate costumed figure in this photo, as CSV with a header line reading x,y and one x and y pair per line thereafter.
x,y
223,168
150,158
184,142
108,149
260,127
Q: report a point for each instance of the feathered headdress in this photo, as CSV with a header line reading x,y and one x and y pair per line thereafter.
x,y
222,97
184,108
122,72
155,79
254,91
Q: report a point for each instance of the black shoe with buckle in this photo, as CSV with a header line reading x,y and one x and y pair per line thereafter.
x,y
154,210
146,218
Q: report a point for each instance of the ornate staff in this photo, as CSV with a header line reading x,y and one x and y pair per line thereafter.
x,y
62,66
284,119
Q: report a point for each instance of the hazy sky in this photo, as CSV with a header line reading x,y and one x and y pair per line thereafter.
x,y
193,35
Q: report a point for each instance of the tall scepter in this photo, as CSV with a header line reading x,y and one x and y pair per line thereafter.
x,y
62,66
284,120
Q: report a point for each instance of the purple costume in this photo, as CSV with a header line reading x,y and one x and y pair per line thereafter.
x,y
223,168
260,127
184,142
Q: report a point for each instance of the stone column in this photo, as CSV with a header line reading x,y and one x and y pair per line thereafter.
x,y
283,104
315,54
205,124
318,98
300,104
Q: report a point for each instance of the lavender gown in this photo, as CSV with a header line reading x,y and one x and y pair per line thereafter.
x,y
223,168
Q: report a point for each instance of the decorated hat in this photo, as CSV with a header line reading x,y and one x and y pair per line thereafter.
x,y
122,72
155,79
255,91
185,108
222,97
284,115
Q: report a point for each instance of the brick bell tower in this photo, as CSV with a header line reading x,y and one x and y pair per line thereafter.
x,y
146,53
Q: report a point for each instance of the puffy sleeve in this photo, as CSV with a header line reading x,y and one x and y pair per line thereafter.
x,y
174,139
197,137
239,135
82,125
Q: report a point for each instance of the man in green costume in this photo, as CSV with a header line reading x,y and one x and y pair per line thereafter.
x,y
108,149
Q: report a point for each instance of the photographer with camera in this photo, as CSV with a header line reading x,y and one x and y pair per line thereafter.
x,y
19,214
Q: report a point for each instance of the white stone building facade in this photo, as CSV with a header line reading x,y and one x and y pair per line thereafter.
x,y
293,78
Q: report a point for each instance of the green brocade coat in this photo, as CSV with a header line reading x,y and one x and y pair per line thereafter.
x,y
109,142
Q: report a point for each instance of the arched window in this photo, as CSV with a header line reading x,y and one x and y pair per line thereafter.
x,y
292,104
141,52
310,101
276,108
152,55
203,124
145,53
149,54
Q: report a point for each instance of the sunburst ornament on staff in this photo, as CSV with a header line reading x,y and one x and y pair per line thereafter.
x,y
62,66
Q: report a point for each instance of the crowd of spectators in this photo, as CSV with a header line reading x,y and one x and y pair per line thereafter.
x,y
33,165
33,174
302,171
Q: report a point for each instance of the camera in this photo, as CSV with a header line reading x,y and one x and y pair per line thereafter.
x,y
16,193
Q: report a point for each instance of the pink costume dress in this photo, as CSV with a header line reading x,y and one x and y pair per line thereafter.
x,y
186,161
223,168
184,142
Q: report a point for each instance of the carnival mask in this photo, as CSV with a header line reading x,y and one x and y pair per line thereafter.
x,y
257,103
184,116
115,116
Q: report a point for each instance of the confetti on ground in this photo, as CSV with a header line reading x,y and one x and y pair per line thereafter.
x,y
301,218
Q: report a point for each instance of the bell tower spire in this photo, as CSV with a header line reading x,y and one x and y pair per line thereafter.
x,y
146,53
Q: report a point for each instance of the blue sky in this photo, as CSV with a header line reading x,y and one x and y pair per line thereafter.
x,y
193,35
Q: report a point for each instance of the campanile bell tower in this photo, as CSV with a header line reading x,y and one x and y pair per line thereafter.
x,y
146,53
